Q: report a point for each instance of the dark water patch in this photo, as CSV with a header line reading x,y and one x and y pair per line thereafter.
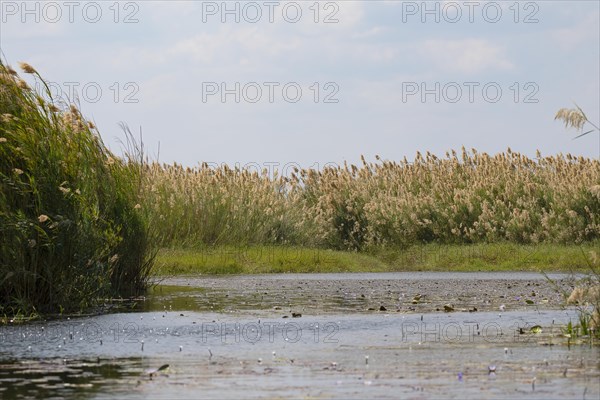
x,y
59,377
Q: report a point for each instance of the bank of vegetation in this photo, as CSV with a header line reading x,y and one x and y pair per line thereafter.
x,y
72,231
464,198
79,223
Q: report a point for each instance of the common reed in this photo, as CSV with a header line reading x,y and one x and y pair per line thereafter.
x,y
70,233
466,197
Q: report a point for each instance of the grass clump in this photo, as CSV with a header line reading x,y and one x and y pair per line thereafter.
x,y
71,228
586,295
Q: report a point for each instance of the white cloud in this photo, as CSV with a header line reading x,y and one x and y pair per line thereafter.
x,y
201,47
372,53
374,31
351,13
465,55
14,29
227,43
586,29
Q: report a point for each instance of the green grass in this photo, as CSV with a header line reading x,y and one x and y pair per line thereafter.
x,y
261,259
430,257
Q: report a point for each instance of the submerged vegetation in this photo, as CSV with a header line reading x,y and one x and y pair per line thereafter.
x,y
70,230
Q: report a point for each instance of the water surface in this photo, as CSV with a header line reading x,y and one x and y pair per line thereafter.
x,y
321,335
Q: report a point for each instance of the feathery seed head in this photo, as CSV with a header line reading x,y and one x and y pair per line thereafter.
x,y
28,69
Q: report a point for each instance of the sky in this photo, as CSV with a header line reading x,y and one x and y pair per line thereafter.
x,y
307,83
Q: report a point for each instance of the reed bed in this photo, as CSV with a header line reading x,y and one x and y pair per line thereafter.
x,y
78,223
466,197
70,231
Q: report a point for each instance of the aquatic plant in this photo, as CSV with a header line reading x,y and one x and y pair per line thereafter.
x,y
70,230
586,296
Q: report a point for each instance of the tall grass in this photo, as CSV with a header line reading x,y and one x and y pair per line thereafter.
x,y
76,221
466,197
70,230
195,207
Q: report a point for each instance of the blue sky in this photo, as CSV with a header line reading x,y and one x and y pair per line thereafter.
x,y
375,58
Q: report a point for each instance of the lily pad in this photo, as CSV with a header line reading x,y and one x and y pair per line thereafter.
x,y
535,329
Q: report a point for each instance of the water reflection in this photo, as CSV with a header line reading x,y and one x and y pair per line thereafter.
x,y
51,378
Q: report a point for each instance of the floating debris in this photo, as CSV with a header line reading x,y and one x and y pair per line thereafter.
x,y
154,371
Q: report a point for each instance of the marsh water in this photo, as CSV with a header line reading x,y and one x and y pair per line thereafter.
x,y
414,335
